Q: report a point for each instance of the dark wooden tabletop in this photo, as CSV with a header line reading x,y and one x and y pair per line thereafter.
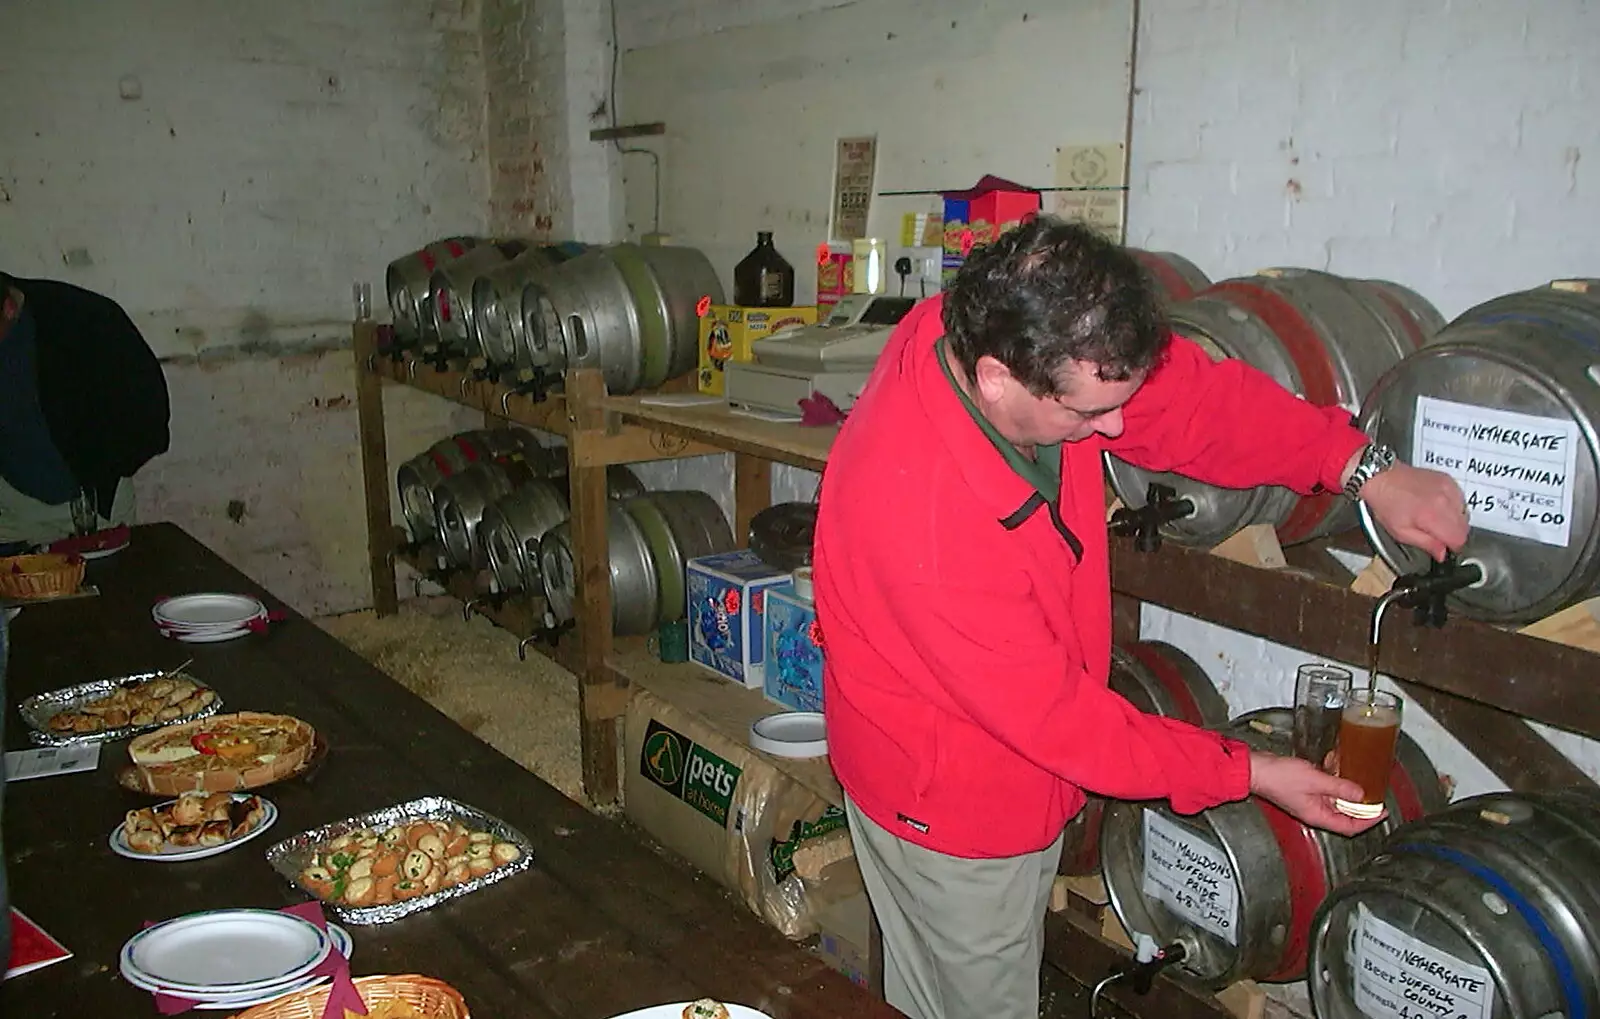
x,y
600,924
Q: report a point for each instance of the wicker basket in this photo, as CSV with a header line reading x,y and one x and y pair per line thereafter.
x,y
46,575
433,998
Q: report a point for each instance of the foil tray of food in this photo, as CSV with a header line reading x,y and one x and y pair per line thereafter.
x,y
386,864
103,710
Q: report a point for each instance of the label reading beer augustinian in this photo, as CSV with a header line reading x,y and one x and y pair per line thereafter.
x,y
1192,876
1395,976
1516,470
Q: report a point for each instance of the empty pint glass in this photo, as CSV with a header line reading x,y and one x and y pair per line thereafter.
x,y
1368,729
1320,694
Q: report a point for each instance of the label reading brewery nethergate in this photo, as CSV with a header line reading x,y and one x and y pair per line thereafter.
x,y
688,771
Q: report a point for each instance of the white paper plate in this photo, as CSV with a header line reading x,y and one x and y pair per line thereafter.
x,y
675,1011
342,944
208,637
174,854
790,734
207,610
101,553
224,952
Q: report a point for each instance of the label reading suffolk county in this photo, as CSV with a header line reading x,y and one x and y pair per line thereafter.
x,y
1398,977
1192,876
1515,469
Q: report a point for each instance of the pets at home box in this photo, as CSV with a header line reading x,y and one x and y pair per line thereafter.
x,y
735,816
792,672
727,613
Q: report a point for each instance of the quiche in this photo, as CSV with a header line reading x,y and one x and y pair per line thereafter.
x,y
221,753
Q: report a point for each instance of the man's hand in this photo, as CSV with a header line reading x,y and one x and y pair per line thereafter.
x,y
1306,792
1418,507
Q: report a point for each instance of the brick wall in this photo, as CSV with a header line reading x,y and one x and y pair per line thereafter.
x,y
226,171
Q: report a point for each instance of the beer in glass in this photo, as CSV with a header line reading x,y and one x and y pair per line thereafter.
x,y
1368,730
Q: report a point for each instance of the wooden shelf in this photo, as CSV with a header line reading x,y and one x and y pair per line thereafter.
x,y
1527,676
494,399
520,615
722,705
719,426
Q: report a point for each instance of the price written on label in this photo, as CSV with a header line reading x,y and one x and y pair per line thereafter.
x,y
1192,876
1516,470
1396,976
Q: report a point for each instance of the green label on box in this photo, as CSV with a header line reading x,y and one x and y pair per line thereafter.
x,y
688,771
781,855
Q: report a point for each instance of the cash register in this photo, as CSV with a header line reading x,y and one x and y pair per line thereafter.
x,y
832,358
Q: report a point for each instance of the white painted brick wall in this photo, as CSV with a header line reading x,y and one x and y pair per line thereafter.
x,y
277,153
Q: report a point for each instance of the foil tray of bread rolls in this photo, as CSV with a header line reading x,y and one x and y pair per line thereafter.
x,y
380,866
104,710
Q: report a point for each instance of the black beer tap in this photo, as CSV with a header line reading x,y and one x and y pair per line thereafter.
x,y
538,385
1140,972
1425,593
1143,525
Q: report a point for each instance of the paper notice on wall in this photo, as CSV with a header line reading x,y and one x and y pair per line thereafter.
x,y
1516,470
1192,876
1395,976
854,172
1091,178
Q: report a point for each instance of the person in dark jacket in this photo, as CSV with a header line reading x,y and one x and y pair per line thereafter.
x,y
83,406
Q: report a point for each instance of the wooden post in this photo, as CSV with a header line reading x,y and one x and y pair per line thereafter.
x,y
752,493
1124,619
598,701
374,469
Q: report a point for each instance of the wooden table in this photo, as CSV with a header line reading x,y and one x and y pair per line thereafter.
x,y
600,925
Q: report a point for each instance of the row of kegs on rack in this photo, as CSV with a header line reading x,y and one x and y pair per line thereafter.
x,y
1506,397
1489,906
496,500
525,309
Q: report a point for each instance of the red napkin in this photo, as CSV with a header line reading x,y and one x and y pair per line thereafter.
x,y
817,409
115,537
342,997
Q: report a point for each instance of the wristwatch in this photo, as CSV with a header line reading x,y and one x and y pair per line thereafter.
x,y
1375,459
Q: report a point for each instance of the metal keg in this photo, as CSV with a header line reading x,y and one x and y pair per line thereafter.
x,y
635,595
678,526
406,282
417,478
1490,908
1322,337
1506,399
1158,679
460,500
496,319
1175,277
628,310
1239,883
513,524
449,301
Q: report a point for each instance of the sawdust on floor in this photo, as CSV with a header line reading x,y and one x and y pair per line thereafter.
x,y
527,710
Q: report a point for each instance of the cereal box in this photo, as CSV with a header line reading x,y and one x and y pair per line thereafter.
x,y
727,614
727,332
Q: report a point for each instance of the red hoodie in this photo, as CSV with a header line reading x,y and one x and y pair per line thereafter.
x,y
965,681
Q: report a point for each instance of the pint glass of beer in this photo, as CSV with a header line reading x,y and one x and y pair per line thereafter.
x,y
1320,694
1368,730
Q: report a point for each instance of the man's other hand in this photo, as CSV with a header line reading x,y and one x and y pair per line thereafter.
x,y
1306,792
1418,507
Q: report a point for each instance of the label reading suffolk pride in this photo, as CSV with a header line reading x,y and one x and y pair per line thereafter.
x,y
1395,976
1192,876
1516,470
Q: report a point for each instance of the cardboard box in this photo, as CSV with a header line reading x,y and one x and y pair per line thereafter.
x,y
836,276
727,614
979,215
793,667
845,936
731,813
727,332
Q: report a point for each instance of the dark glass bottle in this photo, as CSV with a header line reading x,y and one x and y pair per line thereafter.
x,y
763,279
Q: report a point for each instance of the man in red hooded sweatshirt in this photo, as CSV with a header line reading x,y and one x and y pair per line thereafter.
x,y
963,589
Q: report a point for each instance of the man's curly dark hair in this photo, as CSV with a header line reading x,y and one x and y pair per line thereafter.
x,y
1049,292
